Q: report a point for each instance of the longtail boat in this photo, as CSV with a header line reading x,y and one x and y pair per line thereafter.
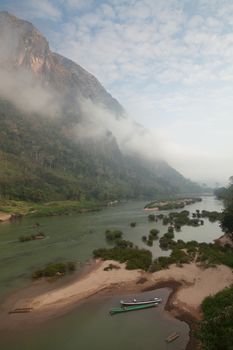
x,y
117,310
138,302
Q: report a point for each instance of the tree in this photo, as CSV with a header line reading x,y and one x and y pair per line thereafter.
x,y
227,220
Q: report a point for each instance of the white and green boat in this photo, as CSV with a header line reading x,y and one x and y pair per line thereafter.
x,y
117,310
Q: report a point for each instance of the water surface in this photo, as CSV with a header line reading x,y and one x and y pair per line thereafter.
x,y
89,326
74,237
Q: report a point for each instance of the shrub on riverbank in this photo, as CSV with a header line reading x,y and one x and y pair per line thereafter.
x,y
28,238
213,254
54,208
176,257
175,203
216,328
134,258
55,269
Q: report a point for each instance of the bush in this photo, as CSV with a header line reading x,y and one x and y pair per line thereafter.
x,y
150,242
134,258
154,232
216,328
113,235
54,269
166,220
169,235
151,217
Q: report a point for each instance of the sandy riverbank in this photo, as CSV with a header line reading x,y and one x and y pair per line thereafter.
x,y
189,286
193,284
4,217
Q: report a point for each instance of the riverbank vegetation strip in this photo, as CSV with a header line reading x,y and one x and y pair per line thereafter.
x,y
54,208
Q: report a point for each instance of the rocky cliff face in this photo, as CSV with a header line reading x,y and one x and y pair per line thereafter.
x,y
26,48
48,141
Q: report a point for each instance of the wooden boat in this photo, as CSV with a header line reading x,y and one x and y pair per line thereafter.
x,y
135,302
117,310
172,337
21,310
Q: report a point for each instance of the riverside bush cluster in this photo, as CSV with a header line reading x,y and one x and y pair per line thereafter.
x,y
216,328
177,257
32,237
179,219
134,258
172,203
54,269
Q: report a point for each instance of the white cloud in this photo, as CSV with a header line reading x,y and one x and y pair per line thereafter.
x,y
33,9
170,63
76,4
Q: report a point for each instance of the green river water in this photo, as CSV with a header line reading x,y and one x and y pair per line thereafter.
x,y
88,325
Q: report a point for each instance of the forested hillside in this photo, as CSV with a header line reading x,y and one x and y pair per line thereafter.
x,y
48,116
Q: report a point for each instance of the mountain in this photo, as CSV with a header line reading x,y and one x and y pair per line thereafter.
x,y
56,140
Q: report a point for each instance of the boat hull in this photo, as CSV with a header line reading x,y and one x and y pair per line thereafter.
x,y
134,303
118,310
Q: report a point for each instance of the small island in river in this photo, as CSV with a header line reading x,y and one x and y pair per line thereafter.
x,y
175,203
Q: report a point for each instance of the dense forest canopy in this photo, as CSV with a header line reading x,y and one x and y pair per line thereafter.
x,y
226,193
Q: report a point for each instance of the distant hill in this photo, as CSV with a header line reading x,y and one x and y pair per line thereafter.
x,y
52,145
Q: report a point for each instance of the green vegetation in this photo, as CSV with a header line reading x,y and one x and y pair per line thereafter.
x,y
153,235
166,242
206,254
27,238
211,215
151,217
226,219
213,254
114,235
42,160
50,208
179,219
216,328
177,257
122,243
134,258
175,203
55,269
133,224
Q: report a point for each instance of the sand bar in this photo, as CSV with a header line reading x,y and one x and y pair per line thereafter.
x,y
195,283
4,217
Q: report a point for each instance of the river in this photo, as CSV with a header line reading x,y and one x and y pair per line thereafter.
x,y
74,238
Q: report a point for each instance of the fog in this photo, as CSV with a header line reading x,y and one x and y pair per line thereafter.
x,y
31,94
155,144
19,85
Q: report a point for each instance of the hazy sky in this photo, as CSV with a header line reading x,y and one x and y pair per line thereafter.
x,y
168,62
